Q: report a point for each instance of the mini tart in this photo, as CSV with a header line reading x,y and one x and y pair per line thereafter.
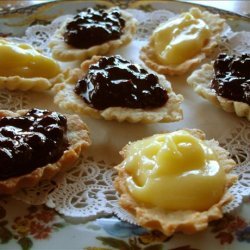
x,y
64,52
200,81
216,25
67,99
170,222
18,82
78,138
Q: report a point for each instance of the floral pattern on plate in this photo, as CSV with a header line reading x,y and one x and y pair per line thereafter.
x,y
37,223
28,227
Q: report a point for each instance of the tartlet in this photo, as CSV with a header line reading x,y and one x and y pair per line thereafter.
x,y
67,99
27,69
65,52
201,80
170,221
78,139
215,24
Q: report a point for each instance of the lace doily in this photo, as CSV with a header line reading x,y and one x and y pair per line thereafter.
x,y
86,191
14,100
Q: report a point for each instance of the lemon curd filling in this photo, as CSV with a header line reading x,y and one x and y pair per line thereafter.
x,y
174,171
23,60
180,39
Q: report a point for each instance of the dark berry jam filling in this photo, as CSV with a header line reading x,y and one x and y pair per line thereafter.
x,y
31,141
232,77
94,27
115,82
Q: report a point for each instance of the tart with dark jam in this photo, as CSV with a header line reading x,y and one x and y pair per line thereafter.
x,y
93,32
31,141
116,82
113,88
225,83
35,145
232,77
94,27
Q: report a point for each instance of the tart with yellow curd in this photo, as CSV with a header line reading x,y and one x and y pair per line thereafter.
x,y
183,42
114,88
93,32
36,145
23,68
175,182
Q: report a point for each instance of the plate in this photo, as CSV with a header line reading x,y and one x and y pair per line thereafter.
x,y
27,227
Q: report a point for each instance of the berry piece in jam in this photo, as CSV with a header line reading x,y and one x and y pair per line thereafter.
x,y
94,27
115,82
232,77
31,141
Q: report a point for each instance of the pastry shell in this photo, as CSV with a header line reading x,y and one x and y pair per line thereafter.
x,y
200,80
66,98
216,25
78,137
26,84
64,52
169,222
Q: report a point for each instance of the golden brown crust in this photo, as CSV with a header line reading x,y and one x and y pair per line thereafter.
x,y
25,84
187,221
78,137
216,25
68,100
64,52
200,80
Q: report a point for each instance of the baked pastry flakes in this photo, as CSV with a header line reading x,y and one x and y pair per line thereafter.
x,y
94,32
225,83
175,182
26,68
183,42
113,88
37,144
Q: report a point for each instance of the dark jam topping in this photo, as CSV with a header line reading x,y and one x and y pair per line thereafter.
x,y
232,77
115,82
94,27
31,141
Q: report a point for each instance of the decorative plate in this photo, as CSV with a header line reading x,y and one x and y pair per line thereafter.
x,y
38,227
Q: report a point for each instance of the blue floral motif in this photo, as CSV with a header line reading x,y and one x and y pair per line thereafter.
x,y
119,228
244,235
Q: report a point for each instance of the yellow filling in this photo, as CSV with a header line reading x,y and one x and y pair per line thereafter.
x,y
174,171
23,60
178,40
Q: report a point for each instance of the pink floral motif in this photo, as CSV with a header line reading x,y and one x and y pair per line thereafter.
x,y
45,216
21,226
40,231
38,224
227,228
225,237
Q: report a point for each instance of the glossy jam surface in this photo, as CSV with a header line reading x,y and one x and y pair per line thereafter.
x,y
31,141
23,60
174,171
115,82
232,77
180,39
94,27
